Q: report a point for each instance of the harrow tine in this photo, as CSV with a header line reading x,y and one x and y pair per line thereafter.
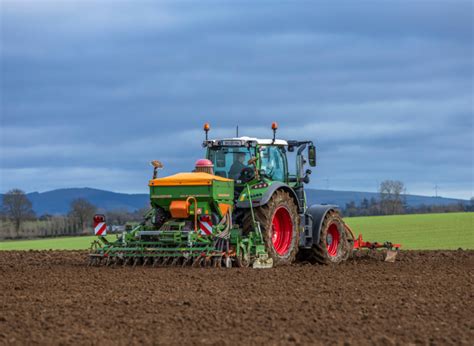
x,y
145,261
172,261
218,262
113,262
161,261
166,262
135,261
126,261
155,261
151,260
117,261
181,262
197,262
175,261
207,261
227,262
187,261
108,262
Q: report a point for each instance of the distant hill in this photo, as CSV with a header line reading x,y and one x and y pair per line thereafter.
x,y
58,201
342,197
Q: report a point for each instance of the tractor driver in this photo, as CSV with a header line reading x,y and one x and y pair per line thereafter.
x,y
237,166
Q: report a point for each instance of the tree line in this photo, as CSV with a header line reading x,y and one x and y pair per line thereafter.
x,y
18,220
392,201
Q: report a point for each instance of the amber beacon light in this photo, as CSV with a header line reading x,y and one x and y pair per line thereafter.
x,y
206,128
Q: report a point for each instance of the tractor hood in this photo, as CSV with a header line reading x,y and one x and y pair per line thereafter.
x,y
188,179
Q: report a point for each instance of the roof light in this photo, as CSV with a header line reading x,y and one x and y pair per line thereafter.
x,y
206,128
274,128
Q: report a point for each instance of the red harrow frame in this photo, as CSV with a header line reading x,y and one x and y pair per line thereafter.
x,y
391,249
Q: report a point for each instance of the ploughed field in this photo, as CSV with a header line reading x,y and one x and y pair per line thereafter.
x,y
52,297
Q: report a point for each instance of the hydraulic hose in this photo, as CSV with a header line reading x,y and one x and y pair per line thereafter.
x,y
195,211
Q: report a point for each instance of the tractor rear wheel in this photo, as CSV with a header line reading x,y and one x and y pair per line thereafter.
x,y
279,222
334,246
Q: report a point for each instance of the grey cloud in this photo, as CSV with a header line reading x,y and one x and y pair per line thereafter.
x,y
385,89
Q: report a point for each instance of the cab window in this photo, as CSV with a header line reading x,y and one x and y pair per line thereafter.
x,y
272,162
230,161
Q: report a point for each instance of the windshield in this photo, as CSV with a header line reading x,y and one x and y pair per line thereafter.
x,y
230,161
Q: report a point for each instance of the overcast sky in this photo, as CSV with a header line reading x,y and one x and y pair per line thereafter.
x,y
92,91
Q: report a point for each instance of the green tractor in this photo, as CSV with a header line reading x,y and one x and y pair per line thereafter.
x,y
241,206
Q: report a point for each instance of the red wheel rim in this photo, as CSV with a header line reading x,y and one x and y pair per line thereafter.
x,y
332,239
282,230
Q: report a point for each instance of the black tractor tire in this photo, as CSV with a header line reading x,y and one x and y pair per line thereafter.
x,y
280,206
333,228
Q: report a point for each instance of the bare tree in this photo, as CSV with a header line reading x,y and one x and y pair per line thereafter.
x,y
17,207
83,211
118,216
392,197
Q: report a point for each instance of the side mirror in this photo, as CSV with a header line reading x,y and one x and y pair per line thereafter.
x,y
312,155
306,176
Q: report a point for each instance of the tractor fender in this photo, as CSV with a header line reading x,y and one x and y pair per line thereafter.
x,y
268,194
316,214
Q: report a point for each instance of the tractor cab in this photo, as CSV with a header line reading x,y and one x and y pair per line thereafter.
x,y
261,166
240,158
245,158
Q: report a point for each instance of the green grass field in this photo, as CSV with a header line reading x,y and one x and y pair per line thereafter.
x,y
418,232
421,232
60,243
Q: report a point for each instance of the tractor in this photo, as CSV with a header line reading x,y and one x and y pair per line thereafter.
x,y
241,206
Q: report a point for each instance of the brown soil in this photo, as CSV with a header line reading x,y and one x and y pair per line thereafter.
x,y
54,298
